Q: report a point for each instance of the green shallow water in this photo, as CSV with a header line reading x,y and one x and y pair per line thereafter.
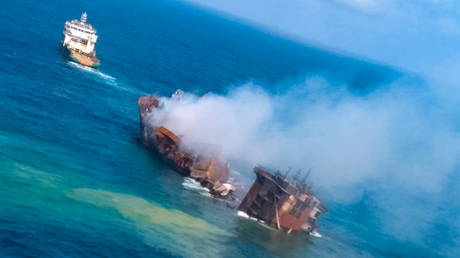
x,y
74,179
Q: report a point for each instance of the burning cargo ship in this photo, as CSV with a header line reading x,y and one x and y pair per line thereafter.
x,y
281,203
278,201
206,168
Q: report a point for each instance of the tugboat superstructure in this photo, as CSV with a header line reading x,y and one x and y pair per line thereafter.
x,y
80,39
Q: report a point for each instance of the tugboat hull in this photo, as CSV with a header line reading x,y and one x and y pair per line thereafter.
x,y
90,61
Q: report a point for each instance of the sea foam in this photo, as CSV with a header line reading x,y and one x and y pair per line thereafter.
x,y
108,79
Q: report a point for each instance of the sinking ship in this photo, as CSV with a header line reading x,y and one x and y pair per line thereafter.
x,y
79,38
281,202
275,199
207,168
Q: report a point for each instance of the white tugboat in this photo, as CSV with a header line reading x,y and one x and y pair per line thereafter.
x,y
80,39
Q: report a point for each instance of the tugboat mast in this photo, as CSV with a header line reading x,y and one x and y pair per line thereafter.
x,y
83,17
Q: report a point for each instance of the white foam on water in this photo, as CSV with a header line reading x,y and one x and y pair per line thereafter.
x,y
315,234
92,70
242,214
108,79
206,194
194,186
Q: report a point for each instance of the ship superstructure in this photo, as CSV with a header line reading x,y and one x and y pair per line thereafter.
x,y
282,203
80,39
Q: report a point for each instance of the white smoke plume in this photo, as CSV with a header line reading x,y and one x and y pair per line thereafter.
x,y
397,134
400,141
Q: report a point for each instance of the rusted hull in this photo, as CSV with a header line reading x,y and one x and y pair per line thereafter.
x,y
207,169
284,204
280,204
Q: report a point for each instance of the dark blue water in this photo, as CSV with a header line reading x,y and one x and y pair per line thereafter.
x,y
74,180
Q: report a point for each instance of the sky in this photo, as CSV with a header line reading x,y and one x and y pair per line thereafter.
x,y
400,142
419,36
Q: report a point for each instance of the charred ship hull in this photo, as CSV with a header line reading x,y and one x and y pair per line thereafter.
x,y
275,199
206,168
281,203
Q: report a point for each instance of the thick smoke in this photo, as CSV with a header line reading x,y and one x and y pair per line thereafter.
x,y
400,141
397,133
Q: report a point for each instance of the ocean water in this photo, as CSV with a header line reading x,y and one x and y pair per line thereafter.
x,y
74,179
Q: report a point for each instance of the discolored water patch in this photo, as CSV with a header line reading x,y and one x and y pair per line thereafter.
x,y
171,229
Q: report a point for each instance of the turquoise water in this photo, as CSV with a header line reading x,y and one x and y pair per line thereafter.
x,y
74,179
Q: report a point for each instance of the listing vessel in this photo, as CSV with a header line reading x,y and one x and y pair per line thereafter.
x,y
206,167
281,202
275,199
79,38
